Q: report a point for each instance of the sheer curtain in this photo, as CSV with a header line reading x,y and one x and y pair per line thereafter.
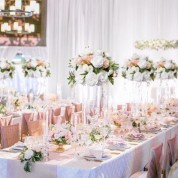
x,y
110,25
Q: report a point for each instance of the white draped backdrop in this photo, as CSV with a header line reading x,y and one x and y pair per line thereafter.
x,y
110,25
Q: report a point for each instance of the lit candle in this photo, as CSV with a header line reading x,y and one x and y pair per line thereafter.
x,y
16,25
27,26
37,8
2,4
18,4
8,28
32,28
33,5
27,9
12,8
19,29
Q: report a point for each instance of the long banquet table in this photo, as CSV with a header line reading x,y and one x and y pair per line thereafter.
x,y
63,165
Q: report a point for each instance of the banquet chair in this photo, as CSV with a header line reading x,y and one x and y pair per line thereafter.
x,y
35,128
78,107
171,167
55,113
9,135
154,166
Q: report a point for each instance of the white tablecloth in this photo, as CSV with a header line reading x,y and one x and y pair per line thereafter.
x,y
64,166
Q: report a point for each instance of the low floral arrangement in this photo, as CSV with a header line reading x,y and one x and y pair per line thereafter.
x,y
99,132
118,117
166,69
36,68
171,102
156,44
139,69
7,69
61,133
92,68
151,108
19,102
30,156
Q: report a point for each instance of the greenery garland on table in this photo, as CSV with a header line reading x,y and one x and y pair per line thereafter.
x,y
156,44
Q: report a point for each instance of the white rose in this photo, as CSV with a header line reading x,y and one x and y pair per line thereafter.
x,y
107,55
97,61
90,68
142,63
91,79
85,67
102,77
110,72
33,63
138,77
28,154
36,148
164,75
3,64
168,65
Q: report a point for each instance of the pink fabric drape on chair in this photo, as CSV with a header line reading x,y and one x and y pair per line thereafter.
x,y
155,165
9,135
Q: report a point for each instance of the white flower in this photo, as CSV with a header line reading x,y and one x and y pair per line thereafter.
x,y
138,77
142,63
85,67
164,75
28,154
33,63
3,64
110,72
91,79
102,77
97,61
90,68
168,65
36,148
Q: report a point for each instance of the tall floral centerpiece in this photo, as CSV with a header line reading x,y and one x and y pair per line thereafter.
x,y
93,69
166,73
36,69
142,71
7,70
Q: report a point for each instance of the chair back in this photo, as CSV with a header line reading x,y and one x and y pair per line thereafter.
x,y
26,117
170,158
35,128
9,135
155,165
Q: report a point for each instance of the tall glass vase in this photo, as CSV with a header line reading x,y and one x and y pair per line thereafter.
x,y
96,102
